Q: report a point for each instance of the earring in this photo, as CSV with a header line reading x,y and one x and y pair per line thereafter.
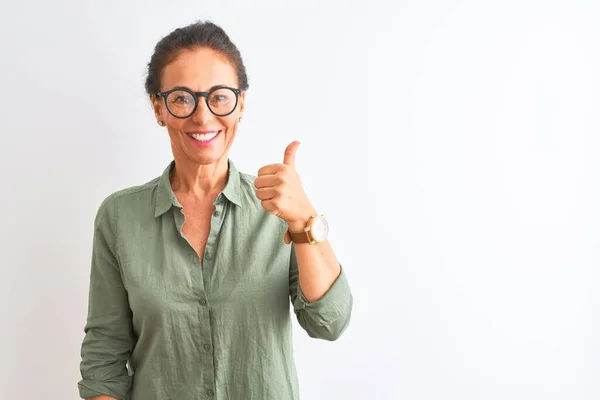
x,y
161,123
240,119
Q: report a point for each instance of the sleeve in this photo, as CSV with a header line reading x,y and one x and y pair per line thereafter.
x,y
109,338
328,317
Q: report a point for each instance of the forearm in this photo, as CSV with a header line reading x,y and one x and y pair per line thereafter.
x,y
319,291
318,267
102,398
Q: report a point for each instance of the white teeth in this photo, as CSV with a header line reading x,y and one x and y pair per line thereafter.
x,y
204,137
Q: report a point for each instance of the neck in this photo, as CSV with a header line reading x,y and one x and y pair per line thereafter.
x,y
199,181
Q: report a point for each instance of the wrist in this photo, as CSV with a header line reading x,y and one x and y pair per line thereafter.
x,y
298,225
314,230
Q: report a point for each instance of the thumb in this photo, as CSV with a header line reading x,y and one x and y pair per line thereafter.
x,y
289,157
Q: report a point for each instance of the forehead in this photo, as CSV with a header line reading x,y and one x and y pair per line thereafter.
x,y
199,69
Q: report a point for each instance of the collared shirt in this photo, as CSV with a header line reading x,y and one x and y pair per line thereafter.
x,y
164,325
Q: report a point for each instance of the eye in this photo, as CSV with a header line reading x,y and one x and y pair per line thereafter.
x,y
180,99
219,98
222,97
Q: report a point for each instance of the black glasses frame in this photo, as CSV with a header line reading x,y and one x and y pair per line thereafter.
x,y
196,95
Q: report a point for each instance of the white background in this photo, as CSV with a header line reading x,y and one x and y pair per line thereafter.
x,y
452,144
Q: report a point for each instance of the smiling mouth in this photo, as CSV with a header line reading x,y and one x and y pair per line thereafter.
x,y
204,137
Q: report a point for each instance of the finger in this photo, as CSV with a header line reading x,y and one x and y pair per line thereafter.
x,y
289,157
267,193
269,169
267,181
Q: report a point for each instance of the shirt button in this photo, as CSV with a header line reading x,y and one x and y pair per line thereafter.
x,y
217,213
210,393
207,347
207,255
203,302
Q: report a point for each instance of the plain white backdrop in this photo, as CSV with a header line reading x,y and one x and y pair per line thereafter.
x,y
452,144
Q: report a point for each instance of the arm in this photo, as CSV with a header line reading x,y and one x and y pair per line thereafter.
x,y
318,287
108,337
317,264
319,291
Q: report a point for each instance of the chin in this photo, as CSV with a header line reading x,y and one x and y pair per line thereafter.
x,y
207,159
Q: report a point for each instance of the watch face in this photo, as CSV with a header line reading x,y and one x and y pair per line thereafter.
x,y
319,229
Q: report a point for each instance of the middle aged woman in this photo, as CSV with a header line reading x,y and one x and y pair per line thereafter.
x,y
193,272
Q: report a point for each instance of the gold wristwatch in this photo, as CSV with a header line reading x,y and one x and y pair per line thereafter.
x,y
316,231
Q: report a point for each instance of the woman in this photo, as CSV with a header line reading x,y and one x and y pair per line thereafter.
x,y
193,272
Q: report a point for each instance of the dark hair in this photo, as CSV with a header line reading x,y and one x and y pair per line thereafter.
x,y
198,34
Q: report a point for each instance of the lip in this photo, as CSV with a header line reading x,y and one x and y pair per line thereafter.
x,y
203,144
203,131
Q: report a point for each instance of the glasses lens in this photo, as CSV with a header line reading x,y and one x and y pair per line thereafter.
x,y
222,101
181,103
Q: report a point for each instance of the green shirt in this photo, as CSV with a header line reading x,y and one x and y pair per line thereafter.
x,y
164,326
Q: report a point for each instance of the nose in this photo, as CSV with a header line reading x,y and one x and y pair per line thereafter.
x,y
202,114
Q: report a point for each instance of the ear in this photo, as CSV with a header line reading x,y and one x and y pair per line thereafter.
x,y
242,102
156,106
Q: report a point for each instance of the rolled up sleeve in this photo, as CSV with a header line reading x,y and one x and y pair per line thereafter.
x,y
329,316
109,338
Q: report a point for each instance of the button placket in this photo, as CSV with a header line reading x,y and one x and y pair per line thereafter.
x,y
200,286
214,229
207,260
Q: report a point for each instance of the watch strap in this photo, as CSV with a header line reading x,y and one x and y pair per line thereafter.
x,y
300,237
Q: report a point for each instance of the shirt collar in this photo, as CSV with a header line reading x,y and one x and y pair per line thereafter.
x,y
165,197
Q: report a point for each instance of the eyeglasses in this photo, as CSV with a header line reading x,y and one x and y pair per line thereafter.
x,y
182,102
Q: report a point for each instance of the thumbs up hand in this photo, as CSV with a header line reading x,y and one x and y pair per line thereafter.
x,y
281,193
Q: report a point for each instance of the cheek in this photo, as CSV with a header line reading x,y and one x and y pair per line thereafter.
x,y
175,125
230,124
175,131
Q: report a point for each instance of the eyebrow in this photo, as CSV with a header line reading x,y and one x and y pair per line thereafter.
x,y
185,87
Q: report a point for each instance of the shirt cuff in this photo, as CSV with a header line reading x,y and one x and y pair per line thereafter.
x,y
118,388
329,307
